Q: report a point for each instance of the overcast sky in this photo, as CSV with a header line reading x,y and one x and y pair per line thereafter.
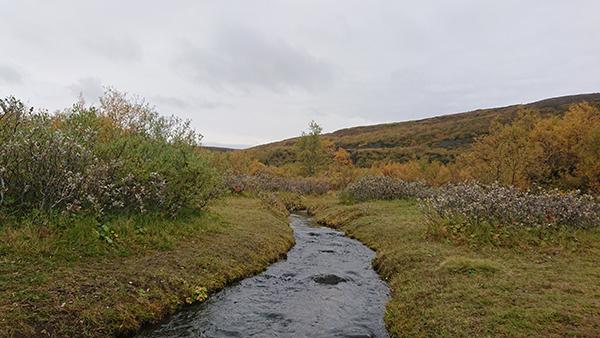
x,y
248,72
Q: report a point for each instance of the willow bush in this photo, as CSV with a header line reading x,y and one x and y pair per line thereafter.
x,y
119,157
472,203
475,204
263,182
384,188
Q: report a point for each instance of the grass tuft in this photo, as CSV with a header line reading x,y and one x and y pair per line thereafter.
x,y
469,266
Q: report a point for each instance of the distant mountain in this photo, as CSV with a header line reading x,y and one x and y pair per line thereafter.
x,y
438,138
218,149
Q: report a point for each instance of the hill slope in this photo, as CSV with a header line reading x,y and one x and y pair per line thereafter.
x,y
439,138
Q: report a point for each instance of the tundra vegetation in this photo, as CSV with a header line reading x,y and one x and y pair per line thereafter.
x,y
501,237
501,241
105,221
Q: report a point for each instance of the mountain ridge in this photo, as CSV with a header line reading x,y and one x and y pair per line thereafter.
x,y
438,138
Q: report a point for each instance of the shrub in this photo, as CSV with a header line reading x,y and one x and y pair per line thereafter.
x,y
122,156
474,204
268,182
282,202
384,188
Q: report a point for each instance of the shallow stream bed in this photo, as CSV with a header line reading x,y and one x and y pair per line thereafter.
x,y
325,288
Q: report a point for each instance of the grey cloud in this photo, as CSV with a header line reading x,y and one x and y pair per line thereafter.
x,y
9,75
245,59
259,70
119,49
170,101
90,87
173,102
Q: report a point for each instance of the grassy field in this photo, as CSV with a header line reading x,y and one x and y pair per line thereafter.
x,y
65,280
440,288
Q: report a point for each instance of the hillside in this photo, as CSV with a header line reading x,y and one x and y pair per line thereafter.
x,y
438,138
218,149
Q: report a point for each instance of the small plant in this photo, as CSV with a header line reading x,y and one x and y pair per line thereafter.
x,y
106,234
199,294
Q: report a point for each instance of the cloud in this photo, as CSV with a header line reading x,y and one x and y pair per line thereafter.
x,y
259,71
9,75
245,59
172,102
90,87
118,49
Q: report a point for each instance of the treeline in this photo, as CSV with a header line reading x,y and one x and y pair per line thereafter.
x,y
121,156
556,152
532,151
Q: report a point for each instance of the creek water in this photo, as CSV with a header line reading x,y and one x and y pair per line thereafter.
x,y
325,288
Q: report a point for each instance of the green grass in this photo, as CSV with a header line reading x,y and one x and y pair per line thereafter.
x,y
63,279
448,288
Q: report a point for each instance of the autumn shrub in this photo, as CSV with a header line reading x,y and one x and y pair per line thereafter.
x,y
384,188
434,173
282,201
476,204
553,152
268,182
120,157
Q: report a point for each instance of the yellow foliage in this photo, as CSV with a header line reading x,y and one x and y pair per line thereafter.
x,y
561,152
342,157
434,173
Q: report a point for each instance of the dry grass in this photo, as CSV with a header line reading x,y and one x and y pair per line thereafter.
x,y
443,289
67,282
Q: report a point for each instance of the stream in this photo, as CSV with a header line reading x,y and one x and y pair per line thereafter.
x,y
325,288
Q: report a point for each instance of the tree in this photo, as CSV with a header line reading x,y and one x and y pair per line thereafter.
x,y
561,151
507,155
309,149
570,147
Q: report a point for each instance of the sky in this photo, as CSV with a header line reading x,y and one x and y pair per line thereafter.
x,y
250,72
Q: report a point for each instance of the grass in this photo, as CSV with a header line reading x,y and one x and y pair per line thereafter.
x,y
67,280
448,288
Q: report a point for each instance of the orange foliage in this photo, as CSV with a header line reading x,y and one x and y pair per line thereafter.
x,y
434,173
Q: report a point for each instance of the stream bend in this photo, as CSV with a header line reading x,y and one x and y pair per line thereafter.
x,y
325,288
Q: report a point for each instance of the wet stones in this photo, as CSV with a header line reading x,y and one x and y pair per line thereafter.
x,y
329,279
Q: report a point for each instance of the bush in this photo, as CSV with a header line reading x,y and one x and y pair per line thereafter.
x,y
282,202
474,204
122,156
384,188
268,182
